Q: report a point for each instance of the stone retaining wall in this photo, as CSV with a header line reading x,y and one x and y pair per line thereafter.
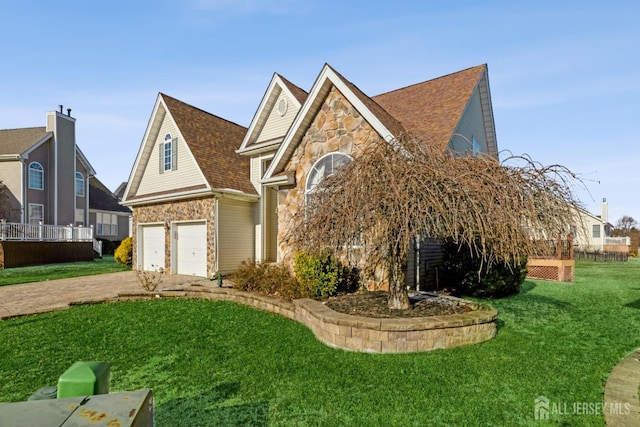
x,y
357,333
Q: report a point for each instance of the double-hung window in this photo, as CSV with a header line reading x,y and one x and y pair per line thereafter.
x,y
36,213
106,224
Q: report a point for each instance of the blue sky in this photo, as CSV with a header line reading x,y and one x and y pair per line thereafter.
x,y
564,75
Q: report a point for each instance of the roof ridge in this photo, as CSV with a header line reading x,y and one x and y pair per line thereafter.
x,y
30,127
389,120
431,80
293,88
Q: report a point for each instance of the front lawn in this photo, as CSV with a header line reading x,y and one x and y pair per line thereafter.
x,y
38,273
220,363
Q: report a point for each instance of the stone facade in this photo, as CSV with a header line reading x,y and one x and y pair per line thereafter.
x,y
337,127
169,212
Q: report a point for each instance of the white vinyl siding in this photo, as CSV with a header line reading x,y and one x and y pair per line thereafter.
x,y
256,170
235,234
470,127
276,125
186,175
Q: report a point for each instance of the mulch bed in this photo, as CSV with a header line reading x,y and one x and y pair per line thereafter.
x,y
374,304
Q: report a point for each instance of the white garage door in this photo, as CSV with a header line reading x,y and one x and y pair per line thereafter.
x,y
191,248
152,246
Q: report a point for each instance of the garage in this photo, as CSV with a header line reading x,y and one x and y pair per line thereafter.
x,y
151,247
190,239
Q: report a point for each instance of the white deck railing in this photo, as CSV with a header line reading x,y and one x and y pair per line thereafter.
x,y
44,232
617,241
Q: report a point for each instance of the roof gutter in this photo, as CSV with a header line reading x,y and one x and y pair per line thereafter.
x,y
189,195
10,157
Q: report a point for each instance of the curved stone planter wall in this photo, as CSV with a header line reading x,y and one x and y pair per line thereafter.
x,y
357,333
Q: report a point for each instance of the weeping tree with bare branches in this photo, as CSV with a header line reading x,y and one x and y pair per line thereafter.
x,y
374,207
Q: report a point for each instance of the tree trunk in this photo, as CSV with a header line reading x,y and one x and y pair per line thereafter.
x,y
398,296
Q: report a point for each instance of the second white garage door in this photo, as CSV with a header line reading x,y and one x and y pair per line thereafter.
x,y
191,248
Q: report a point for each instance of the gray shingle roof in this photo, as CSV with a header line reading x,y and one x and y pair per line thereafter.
x,y
17,141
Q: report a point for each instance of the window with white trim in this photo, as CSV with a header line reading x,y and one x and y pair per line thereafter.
x,y
106,224
36,176
79,184
596,231
79,217
168,152
36,213
325,166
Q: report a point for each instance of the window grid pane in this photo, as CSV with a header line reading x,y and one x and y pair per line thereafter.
x,y
167,156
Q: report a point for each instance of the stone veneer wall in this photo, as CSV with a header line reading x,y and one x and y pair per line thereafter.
x,y
357,333
337,127
183,210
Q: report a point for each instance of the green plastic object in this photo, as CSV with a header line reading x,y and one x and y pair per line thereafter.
x,y
84,379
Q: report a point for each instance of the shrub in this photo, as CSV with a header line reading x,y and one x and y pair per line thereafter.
x,y
269,279
149,280
469,275
123,254
321,276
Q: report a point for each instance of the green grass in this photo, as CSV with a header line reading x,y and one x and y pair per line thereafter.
x,y
39,273
219,363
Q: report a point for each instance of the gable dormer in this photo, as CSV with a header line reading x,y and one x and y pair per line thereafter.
x,y
276,112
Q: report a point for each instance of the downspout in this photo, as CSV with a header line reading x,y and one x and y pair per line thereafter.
x,y
417,249
55,169
23,190
216,217
86,203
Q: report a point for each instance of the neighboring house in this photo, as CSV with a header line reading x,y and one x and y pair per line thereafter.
x,y
296,138
592,233
206,208
110,220
192,201
46,173
119,193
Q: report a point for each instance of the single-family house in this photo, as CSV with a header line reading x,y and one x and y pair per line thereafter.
x,y
207,194
46,173
295,138
592,233
192,201
110,219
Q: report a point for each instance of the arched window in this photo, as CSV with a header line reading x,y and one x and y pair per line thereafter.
x,y
36,176
324,167
79,184
168,154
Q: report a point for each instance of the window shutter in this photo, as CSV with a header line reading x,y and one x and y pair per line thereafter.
x,y
174,154
161,157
